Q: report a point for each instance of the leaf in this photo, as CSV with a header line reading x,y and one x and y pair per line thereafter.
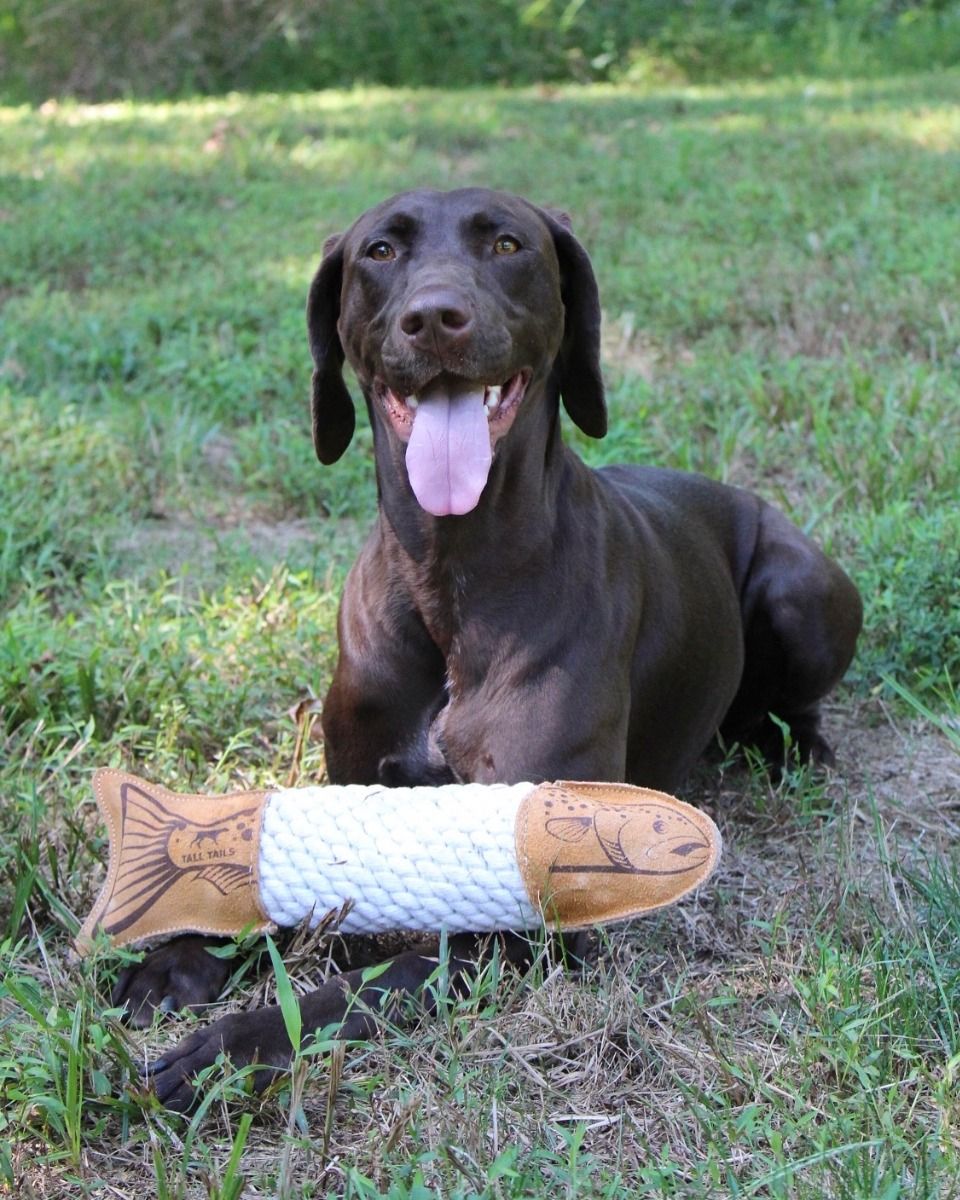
x,y
290,1009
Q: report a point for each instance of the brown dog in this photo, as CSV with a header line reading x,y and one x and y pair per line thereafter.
x,y
515,615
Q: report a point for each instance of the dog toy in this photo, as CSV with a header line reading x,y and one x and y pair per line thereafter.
x,y
461,857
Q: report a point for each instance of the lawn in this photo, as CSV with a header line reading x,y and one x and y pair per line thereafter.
x,y
780,270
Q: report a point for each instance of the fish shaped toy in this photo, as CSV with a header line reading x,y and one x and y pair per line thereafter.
x,y
459,857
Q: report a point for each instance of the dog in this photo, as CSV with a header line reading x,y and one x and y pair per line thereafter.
x,y
514,614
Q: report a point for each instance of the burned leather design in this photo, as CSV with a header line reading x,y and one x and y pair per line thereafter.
x,y
178,863
586,853
591,853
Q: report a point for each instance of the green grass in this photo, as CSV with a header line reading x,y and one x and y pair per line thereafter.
x,y
779,274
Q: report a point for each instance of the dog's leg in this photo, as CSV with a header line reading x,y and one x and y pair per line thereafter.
x,y
352,1004
376,720
387,687
802,615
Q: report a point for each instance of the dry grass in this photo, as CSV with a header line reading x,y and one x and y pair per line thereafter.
x,y
643,1063
774,261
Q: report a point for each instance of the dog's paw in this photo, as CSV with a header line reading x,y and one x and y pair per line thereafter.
x,y
181,974
810,747
397,770
791,741
243,1038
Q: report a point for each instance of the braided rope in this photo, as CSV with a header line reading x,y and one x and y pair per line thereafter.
x,y
408,858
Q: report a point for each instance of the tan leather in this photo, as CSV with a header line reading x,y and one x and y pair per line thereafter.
x,y
178,863
591,853
588,853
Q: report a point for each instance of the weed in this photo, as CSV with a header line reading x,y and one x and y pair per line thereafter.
x,y
779,292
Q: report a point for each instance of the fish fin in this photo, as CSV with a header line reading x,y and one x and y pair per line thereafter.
x,y
569,829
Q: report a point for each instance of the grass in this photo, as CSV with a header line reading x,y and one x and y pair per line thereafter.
x,y
779,275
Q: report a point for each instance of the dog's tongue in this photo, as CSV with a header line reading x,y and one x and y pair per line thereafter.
x,y
448,455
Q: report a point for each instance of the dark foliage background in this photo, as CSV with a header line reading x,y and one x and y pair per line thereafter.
x,y
99,49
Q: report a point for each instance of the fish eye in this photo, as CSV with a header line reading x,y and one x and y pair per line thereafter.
x,y
381,251
506,245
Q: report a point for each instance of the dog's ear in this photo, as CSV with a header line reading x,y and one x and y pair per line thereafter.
x,y
578,364
331,406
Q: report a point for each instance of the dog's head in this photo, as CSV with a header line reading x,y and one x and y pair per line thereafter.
x,y
453,308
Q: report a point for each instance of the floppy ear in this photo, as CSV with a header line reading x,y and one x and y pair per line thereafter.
x,y
331,405
578,364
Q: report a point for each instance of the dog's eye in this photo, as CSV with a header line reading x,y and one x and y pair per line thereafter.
x,y
381,251
506,245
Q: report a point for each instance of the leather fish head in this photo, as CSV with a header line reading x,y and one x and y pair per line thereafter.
x,y
651,838
591,853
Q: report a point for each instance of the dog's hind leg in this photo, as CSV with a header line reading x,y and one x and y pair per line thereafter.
x,y
801,615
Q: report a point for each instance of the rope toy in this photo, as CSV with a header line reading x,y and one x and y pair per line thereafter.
x,y
461,857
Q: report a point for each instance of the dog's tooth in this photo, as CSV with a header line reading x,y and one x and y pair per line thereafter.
x,y
412,402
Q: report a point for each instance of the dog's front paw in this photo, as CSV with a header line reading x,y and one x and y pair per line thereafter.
x,y
181,974
247,1037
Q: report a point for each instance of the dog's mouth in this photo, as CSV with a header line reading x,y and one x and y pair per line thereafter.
x,y
451,426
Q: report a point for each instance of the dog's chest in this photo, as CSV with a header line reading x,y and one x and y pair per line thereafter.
x,y
463,625
476,611
439,594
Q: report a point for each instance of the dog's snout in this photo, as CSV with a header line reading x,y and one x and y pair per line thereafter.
x,y
439,318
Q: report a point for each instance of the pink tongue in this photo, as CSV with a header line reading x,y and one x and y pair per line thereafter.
x,y
448,455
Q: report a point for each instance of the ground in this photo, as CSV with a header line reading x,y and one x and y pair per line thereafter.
x,y
780,285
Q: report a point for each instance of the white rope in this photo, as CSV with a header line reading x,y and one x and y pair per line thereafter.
x,y
409,858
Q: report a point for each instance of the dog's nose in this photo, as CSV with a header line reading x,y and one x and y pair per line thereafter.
x,y
438,319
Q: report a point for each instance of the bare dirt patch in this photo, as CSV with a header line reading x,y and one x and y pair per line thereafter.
x,y
180,541
624,347
630,350
199,549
